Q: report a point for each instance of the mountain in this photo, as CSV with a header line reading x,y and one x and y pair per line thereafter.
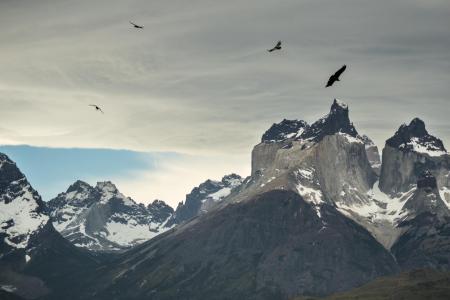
x,y
316,216
34,259
326,163
101,218
280,233
21,208
272,246
413,285
407,154
425,241
203,197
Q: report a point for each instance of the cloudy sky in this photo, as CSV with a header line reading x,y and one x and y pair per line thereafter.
x,y
186,98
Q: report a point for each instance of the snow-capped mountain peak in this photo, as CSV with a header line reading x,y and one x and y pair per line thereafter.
x,y
286,129
414,137
102,218
336,121
21,208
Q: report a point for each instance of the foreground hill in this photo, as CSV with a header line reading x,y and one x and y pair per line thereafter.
x,y
413,285
271,247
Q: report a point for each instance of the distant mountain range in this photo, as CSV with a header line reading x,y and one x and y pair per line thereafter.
x,y
102,218
320,214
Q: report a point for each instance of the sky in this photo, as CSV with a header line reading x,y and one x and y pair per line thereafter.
x,y
188,97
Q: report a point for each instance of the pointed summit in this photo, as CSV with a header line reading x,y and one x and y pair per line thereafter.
x,y
79,186
339,105
336,121
415,138
22,211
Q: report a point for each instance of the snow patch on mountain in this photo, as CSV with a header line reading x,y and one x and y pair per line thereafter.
x,y
19,219
308,188
423,147
445,195
21,207
351,139
102,218
380,207
132,233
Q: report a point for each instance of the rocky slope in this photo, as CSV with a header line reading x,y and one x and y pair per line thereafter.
x,y
33,256
270,247
205,196
101,218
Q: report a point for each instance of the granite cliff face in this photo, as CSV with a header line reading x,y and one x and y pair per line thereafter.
x,y
411,151
425,241
372,154
325,163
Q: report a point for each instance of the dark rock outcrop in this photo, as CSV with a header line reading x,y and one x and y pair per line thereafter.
x,y
336,121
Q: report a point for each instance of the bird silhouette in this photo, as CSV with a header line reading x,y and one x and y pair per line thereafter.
x,y
97,108
277,47
335,76
137,26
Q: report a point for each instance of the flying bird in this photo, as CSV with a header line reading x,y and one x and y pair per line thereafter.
x,y
97,108
335,76
137,26
277,47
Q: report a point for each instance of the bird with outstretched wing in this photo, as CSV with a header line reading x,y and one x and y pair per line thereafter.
x,y
335,76
137,26
97,108
277,47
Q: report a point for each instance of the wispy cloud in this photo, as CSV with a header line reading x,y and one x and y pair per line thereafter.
x,y
198,79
